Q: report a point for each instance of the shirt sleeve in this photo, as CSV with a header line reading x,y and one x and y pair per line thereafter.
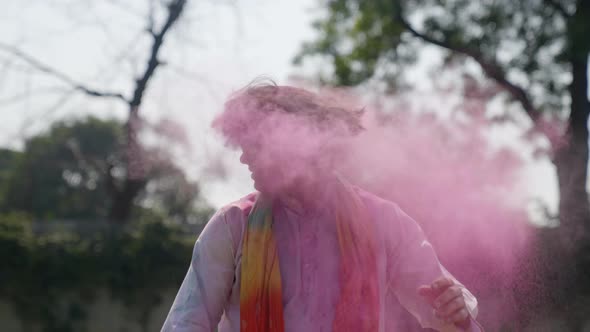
x,y
201,299
413,263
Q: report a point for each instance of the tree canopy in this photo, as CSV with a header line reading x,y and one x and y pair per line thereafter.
x,y
70,172
523,45
535,52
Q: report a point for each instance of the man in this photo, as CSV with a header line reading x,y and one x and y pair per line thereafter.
x,y
309,251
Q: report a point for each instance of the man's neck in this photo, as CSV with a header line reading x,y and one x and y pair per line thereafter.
x,y
306,196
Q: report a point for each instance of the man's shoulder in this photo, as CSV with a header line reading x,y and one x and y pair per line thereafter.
x,y
376,202
241,207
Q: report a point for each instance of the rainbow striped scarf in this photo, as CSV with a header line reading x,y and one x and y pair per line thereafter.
x,y
261,306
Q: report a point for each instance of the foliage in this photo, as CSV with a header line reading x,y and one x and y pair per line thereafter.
x,y
60,174
523,41
356,37
7,160
72,170
48,279
535,52
66,173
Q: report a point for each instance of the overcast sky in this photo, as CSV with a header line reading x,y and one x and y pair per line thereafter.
x,y
217,47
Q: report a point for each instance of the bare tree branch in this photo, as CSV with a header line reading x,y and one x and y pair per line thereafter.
x,y
107,73
53,72
136,163
136,167
490,68
4,67
127,8
207,83
26,94
175,8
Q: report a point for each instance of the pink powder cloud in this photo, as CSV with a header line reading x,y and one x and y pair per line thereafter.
x,y
467,197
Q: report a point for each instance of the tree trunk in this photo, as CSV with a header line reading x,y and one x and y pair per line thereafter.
x,y
567,266
572,161
136,177
123,203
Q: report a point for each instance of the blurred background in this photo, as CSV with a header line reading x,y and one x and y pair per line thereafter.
x,y
109,168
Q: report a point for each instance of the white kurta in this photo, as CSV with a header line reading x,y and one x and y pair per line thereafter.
x,y
209,297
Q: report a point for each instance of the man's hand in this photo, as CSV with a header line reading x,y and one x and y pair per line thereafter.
x,y
447,300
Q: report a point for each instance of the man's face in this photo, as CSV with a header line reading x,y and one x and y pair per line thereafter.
x,y
274,171
264,172
249,158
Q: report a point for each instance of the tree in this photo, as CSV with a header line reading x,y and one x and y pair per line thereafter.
x,y
60,173
73,172
135,173
7,160
535,52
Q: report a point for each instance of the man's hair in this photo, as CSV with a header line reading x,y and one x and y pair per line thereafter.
x,y
322,111
265,108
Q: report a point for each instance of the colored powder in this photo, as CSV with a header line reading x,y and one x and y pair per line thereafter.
x,y
467,196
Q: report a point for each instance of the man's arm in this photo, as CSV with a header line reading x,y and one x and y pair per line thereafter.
x,y
418,280
203,294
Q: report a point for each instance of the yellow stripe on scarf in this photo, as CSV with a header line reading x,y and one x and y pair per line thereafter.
x,y
261,306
